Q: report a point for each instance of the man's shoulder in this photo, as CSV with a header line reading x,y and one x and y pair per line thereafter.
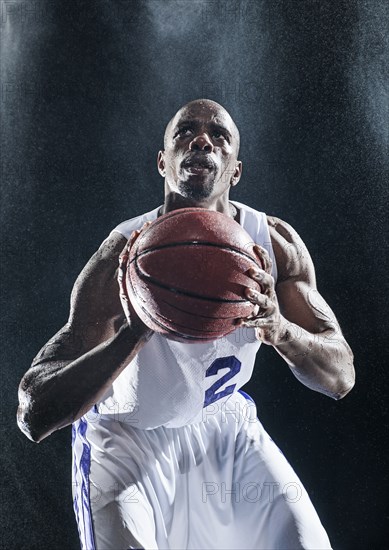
x,y
114,243
277,227
290,250
280,229
126,227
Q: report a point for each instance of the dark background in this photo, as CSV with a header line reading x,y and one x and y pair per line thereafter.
x,y
87,88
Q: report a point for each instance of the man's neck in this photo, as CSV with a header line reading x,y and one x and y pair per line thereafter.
x,y
174,201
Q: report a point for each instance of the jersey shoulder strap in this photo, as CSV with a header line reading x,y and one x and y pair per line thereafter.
x,y
128,226
255,223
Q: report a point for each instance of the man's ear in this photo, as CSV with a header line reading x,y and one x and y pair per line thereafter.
x,y
237,173
161,163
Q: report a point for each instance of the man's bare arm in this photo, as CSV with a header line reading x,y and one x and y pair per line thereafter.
x,y
296,320
77,366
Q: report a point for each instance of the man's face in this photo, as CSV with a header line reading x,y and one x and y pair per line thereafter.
x,y
200,157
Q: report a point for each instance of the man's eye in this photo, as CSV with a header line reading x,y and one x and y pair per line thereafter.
x,y
183,131
217,134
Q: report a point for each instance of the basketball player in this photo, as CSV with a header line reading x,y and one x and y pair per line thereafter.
x,y
168,453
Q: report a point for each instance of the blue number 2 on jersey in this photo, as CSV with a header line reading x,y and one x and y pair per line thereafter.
x,y
230,362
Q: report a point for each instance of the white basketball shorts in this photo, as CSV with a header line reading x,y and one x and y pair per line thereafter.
x,y
220,484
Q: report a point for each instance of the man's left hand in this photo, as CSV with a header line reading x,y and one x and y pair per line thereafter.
x,y
267,320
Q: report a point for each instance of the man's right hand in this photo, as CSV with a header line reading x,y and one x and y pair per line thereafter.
x,y
132,317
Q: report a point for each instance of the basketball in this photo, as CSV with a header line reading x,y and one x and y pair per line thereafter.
x,y
187,273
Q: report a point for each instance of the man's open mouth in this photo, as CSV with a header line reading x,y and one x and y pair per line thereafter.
x,y
198,166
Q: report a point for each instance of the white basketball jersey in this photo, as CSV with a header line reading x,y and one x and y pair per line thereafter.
x,y
172,383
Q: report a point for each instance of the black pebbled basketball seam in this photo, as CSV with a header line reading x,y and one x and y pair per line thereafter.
x,y
199,330
162,325
195,314
151,279
197,243
145,277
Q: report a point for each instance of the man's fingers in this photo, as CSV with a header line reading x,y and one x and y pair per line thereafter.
x,y
124,255
264,279
264,257
123,258
253,323
265,304
123,263
134,235
146,225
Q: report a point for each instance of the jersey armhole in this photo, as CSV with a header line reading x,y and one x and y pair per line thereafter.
x,y
128,226
255,223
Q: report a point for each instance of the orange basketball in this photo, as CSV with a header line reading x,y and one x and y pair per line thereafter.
x,y
187,273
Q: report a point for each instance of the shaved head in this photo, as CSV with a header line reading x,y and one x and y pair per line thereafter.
x,y
214,109
200,158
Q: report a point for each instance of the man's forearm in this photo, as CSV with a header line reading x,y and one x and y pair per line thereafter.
x,y
54,396
323,362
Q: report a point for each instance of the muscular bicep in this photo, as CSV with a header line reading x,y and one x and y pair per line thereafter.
x,y
95,309
302,304
299,300
95,296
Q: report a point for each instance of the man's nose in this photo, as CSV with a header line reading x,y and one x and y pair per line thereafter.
x,y
201,143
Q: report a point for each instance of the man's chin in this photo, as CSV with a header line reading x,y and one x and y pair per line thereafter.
x,y
196,190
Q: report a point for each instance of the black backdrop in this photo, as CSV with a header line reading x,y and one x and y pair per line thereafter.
x,y
87,88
